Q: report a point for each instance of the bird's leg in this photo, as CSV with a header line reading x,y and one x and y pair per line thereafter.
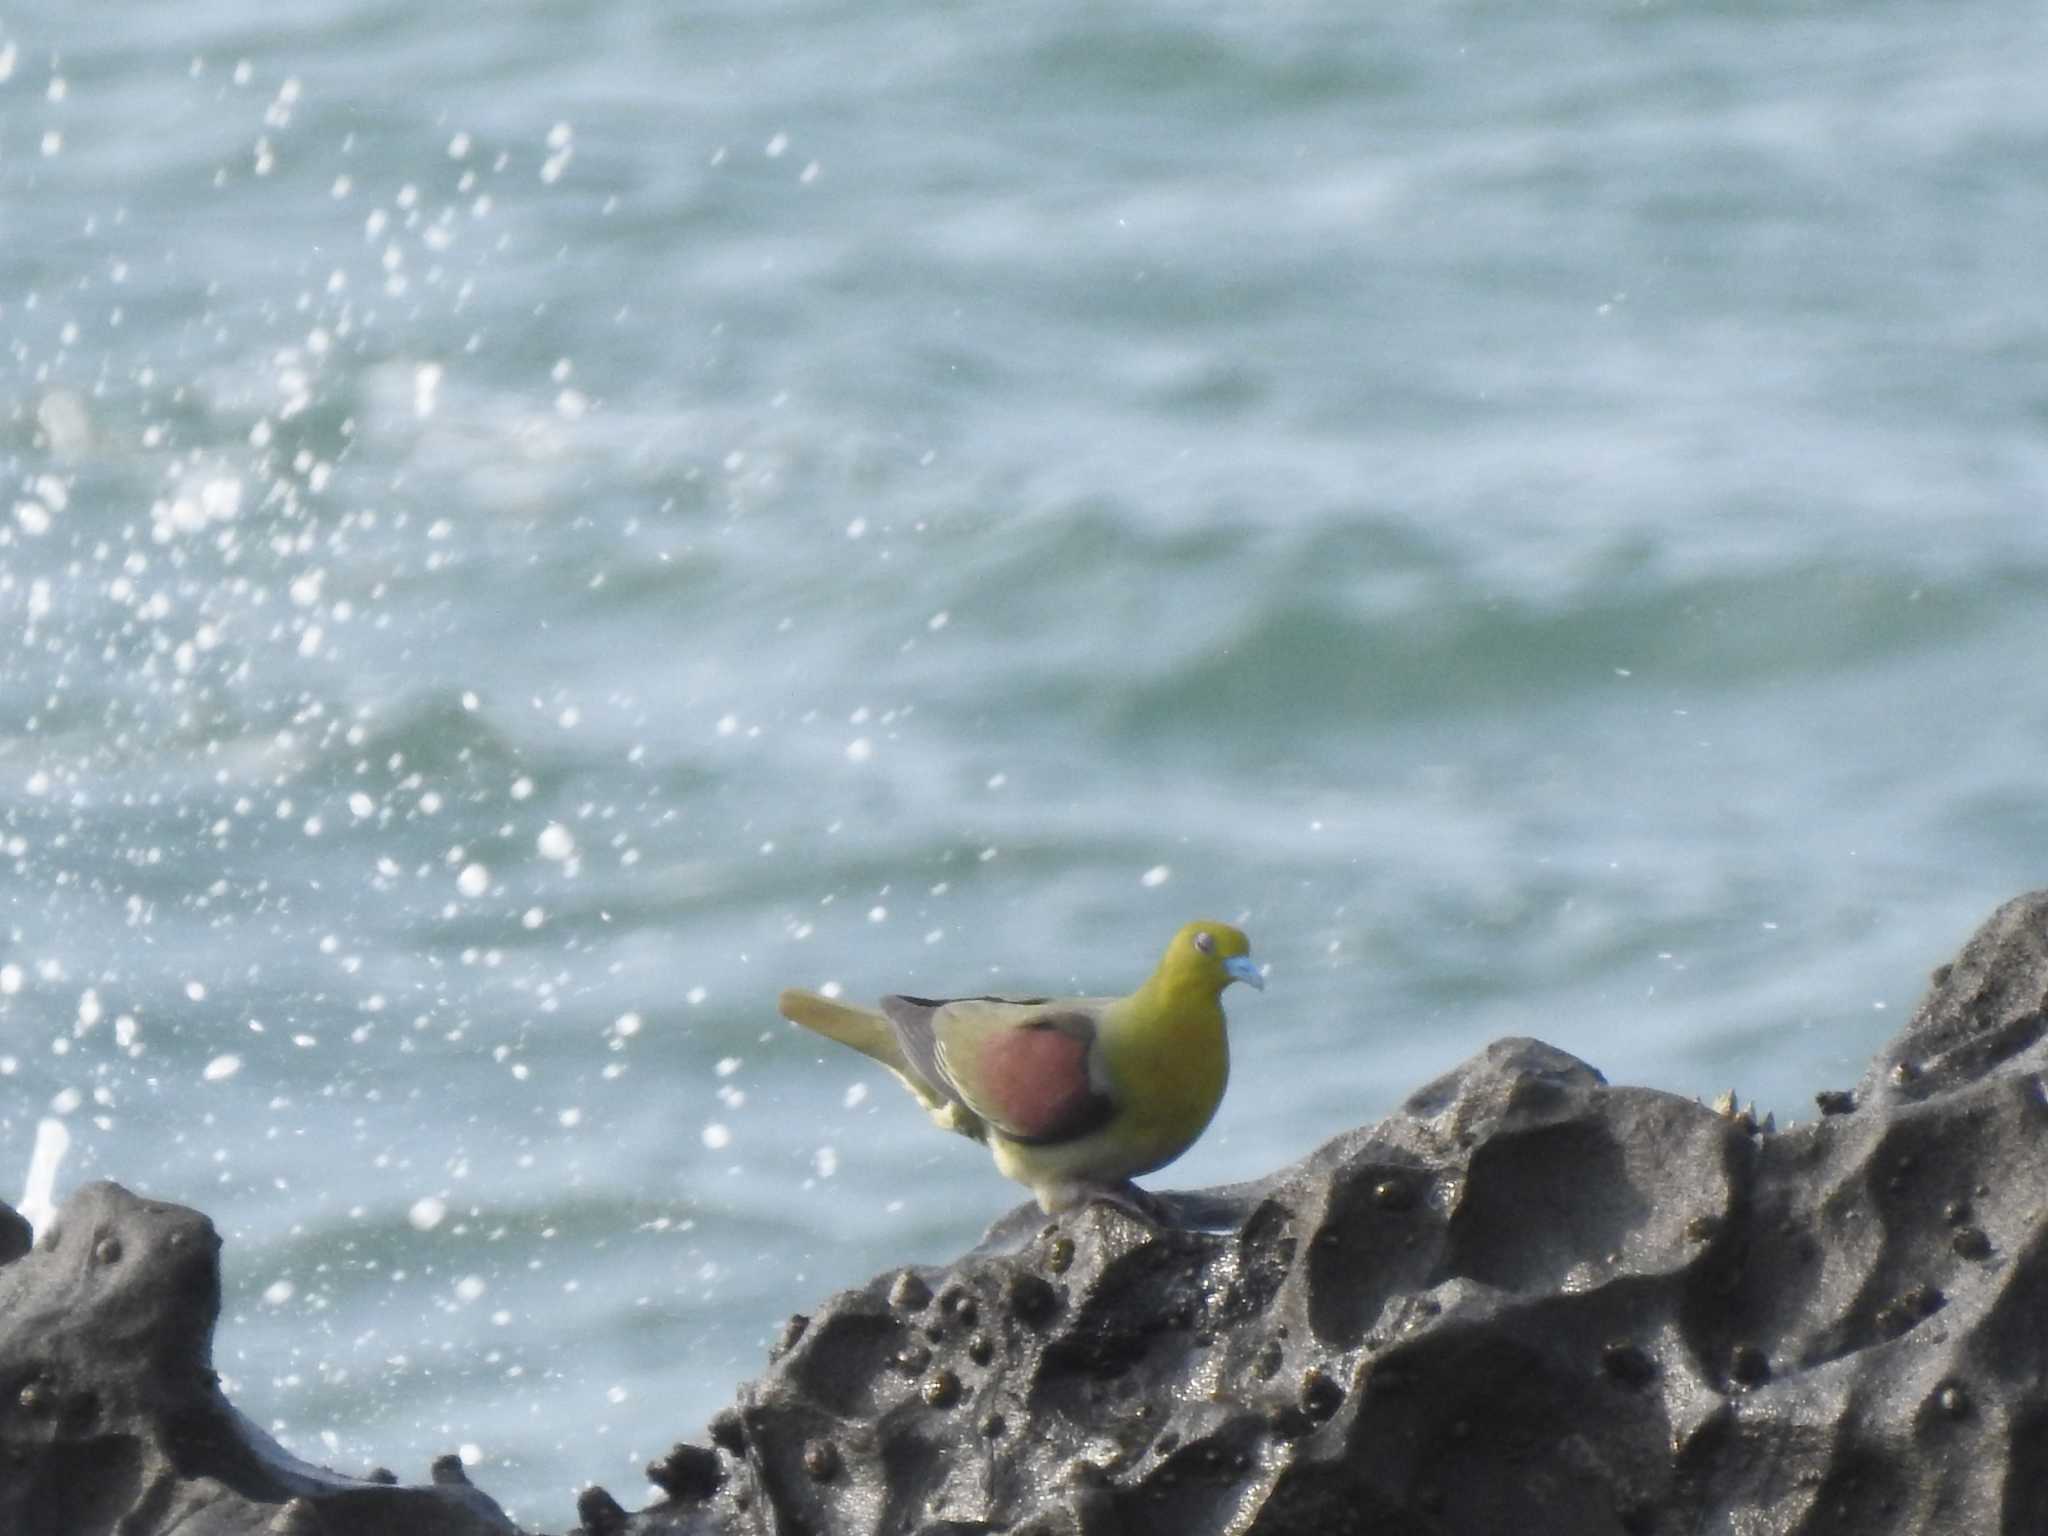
x,y
1126,1197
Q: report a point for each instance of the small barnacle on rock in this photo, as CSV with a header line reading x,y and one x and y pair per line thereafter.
x,y
1320,1396
1030,1298
792,1331
1744,1118
821,1459
1902,1315
909,1293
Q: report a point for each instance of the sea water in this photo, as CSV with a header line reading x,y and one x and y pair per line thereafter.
x,y
528,529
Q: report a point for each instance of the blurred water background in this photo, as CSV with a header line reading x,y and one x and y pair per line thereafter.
x,y
529,528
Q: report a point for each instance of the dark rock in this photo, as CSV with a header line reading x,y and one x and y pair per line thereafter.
x,y
1749,1366
728,1431
599,1513
791,1332
111,1417
687,1473
16,1235
1530,1301
1627,1364
1984,1017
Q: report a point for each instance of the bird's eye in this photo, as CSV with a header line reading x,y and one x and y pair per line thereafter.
x,y
1205,941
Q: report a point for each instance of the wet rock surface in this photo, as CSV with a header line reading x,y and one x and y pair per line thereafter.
x,y
1527,1302
112,1420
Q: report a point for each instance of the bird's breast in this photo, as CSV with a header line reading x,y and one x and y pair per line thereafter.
x,y
1171,1076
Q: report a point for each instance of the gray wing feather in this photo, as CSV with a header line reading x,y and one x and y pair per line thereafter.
x,y
912,1017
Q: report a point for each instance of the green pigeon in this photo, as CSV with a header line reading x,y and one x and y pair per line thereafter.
x,y
1074,1095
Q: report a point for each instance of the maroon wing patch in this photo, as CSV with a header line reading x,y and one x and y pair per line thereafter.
x,y
1030,1080
1035,1082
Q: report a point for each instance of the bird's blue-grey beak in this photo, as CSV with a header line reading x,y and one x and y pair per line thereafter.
x,y
1241,969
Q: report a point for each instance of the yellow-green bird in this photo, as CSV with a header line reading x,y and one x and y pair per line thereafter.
x,y
1074,1095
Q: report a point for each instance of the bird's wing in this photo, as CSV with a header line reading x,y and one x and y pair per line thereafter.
x,y
1024,1065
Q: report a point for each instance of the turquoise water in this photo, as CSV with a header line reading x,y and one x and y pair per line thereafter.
x,y
528,531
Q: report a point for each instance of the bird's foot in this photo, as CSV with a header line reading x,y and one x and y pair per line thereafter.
x,y
1122,1193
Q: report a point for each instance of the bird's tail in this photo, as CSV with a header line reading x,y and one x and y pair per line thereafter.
x,y
865,1030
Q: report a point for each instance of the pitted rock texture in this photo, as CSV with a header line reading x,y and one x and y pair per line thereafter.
x,y
112,1420
1528,1302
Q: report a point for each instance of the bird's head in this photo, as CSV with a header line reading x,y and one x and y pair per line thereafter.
x,y
1212,953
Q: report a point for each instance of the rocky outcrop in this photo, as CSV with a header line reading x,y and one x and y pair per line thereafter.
x,y
1527,1302
112,1419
